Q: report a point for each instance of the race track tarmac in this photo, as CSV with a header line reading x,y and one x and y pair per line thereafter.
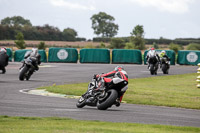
x,y
15,103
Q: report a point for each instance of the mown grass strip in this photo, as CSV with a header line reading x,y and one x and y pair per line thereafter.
x,y
171,91
65,125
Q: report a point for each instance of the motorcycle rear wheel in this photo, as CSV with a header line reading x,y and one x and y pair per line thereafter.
x,y
108,101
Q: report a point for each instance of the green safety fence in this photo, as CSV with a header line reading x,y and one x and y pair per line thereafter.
x,y
94,56
126,56
68,55
9,53
170,53
188,57
19,55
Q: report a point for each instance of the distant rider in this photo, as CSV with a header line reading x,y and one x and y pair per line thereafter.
x,y
34,54
118,72
163,55
152,52
3,59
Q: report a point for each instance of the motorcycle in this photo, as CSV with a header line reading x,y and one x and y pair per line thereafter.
x,y
27,68
153,64
165,65
103,94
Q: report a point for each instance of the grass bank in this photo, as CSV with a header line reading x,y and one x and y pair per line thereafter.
x,y
65,125
171,91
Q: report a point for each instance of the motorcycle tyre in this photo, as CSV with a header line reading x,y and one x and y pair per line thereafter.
x,y
81,104
109,101
23,72
164,69
152,71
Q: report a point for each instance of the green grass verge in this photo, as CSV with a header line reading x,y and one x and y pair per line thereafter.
x,y
65,125
172,91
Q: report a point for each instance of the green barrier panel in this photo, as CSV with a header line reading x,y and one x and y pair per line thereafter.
x,y
19,55
188,57
43,55
94,56
9,53
170,53
68,55
126,56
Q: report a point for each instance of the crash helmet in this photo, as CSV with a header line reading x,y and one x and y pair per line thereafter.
x,y
152,49
3,49
163,52
118,68
34,52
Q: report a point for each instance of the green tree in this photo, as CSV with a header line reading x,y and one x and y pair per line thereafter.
x,y
103,24
15,21
117,43
69,34
138,31
193,46
129,45
155,45
102,45
137,37
20,41
42,45
175,47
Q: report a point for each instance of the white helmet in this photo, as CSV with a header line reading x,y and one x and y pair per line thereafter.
x,y
3,50
34,52
163,52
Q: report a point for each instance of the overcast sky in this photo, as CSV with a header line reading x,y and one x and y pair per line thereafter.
x,y
161,18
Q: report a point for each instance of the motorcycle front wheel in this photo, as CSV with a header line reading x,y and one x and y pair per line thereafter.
x,y
152,71
23,72
164,69
81,102
108,101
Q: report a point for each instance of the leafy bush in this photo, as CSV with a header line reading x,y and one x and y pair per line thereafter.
x,y
155,45
20,41
175,47
117,43
193,46
42,45
129,46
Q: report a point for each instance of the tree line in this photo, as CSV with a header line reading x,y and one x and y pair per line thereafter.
x,y
103,25
10,26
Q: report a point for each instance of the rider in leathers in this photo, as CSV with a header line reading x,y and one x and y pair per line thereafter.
x,y
152,52
3,59
34,54
118,72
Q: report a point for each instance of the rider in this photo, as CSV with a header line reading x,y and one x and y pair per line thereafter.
x,y
34,54
152,52
118,72
3,59
163,54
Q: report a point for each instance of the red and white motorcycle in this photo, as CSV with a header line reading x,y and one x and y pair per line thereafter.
x,y
103,93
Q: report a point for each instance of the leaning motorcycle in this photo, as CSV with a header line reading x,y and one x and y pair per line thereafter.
x,y
27,68
102,94
165,65
153,64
